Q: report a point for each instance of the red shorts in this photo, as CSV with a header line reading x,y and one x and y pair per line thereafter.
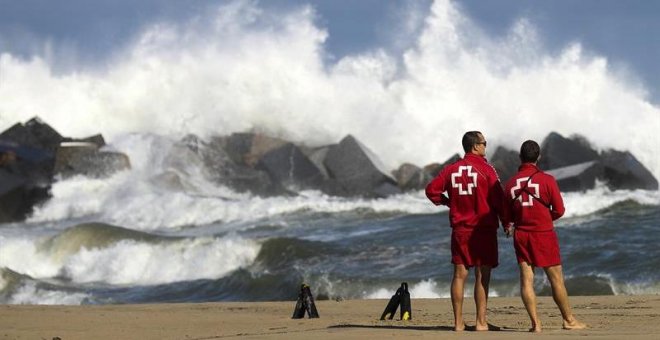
x,y
474,248
538,248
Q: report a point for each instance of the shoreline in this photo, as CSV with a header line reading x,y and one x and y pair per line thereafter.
x,y
608,317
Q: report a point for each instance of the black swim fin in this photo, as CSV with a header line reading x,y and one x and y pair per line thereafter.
x,y
406,307
305,303
392,305
310,306
299,311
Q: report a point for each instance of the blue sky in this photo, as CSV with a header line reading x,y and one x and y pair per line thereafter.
x,y
81,33
395,74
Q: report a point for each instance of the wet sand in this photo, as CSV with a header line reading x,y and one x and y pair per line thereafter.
x,y
609,317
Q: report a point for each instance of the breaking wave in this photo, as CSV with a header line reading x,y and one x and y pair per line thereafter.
x,y
240,68
101,253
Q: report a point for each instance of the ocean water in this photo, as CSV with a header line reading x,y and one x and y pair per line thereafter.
x,y
128,240
137,238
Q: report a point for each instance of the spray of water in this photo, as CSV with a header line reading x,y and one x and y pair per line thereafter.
x,y
240,68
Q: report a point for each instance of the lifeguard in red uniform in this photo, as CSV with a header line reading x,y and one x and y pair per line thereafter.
x,y
532,203
474,197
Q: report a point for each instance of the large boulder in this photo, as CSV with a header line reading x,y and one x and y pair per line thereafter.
x,y
236,146
411,177
184,161
434,169
558,151
18,193
85,158
35,134
248,148
219,167
577,177
621,170
35,164
358,171
26,167
288,166
95,139
505,162
317,157
580,165
33,152
33,144
12,192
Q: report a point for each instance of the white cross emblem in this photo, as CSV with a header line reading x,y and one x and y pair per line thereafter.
x,y
459,185
530,184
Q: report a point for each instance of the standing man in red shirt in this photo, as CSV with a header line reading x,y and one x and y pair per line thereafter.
x,y
533,202
474,197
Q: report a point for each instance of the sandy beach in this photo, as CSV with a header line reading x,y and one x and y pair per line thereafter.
x,y
609,317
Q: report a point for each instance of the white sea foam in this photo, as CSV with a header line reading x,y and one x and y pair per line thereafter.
x,y
239,68
145,208
21,255
135,199
132,200
427,289
132,262
30,294
627,287
637,288
585,203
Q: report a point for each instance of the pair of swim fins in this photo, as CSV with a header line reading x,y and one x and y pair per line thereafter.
x,y
305,304
400,298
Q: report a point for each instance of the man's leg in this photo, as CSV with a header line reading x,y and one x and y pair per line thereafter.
x,y
556,278
457,286
528,295
481,282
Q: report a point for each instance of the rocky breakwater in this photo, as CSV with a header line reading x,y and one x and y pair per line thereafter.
x,y
267,166
263,165
33,155
575,164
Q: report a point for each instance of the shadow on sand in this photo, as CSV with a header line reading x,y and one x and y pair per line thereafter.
x,y
426,328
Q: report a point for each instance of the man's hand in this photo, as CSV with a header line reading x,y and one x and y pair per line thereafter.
x,y
508,229
444,200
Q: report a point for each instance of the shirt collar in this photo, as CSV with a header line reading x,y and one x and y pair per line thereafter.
x,y
473,156
527,166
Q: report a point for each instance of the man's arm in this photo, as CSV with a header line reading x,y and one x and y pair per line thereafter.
x,y
507,213
556,201
497,198
435,190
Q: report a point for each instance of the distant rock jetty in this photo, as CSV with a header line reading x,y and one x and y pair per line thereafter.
x,y
33,155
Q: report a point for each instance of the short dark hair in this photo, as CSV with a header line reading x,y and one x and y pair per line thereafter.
x,y
470,139
530,151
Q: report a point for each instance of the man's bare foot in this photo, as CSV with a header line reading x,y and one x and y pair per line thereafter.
x,y
574,324
536,327
487,327
458,328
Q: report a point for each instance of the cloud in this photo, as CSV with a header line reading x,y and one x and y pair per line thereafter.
x,y
245,68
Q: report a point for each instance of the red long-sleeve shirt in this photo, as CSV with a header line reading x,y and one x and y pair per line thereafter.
x,y
474,193
526,212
